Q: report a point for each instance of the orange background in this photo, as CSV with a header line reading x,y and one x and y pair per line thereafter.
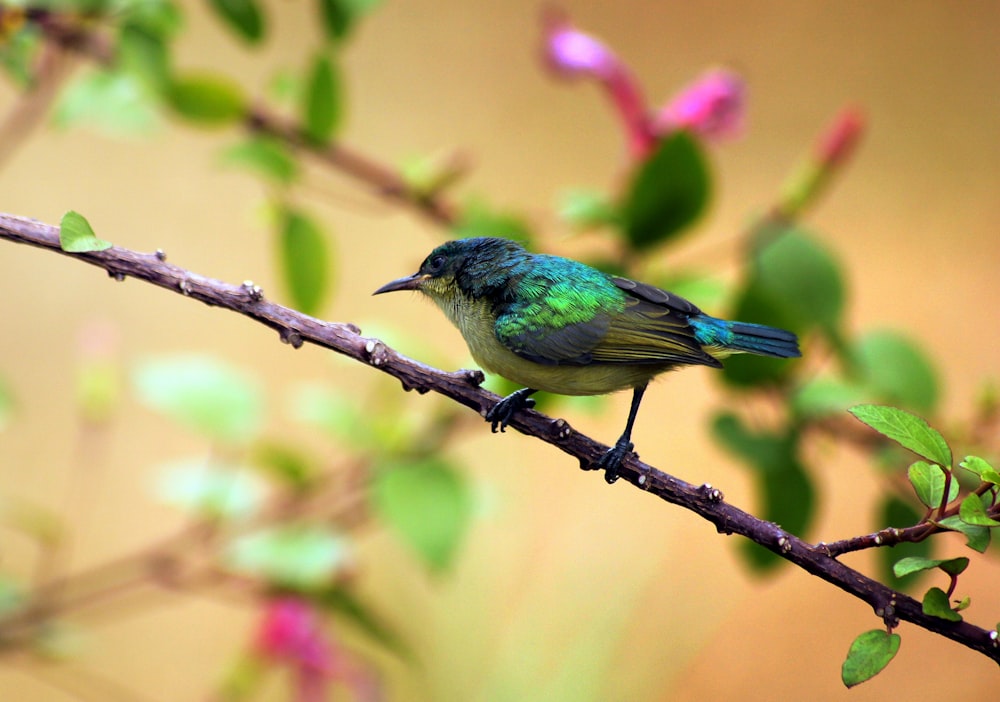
x,y
566,589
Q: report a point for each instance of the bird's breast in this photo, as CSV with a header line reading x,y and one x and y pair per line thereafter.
x,y
476,322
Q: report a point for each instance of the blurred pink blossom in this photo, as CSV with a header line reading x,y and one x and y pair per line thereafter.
x,y
572,53
712,107
291,634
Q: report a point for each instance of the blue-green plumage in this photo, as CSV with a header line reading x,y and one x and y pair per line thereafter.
x,y
555,324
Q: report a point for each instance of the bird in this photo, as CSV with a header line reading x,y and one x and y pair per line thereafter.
x,y
561,326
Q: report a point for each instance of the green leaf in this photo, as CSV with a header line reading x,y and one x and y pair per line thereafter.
x,y
207,98
915,564
972,511
936,604
340,16
785,489
894,512
243,16
824,396
285,461
978,466
304,258
803,277
332,411
6,404
293,556
265,156
202,394
208,491
908,430
76,236
362,616
928,480
12,596
869,654
161,18
115,103
587,209
19,52
428,504
897,370
321,107
976,537
667,193
146,56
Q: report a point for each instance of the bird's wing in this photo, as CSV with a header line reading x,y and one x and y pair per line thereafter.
x,y
539,333
646,325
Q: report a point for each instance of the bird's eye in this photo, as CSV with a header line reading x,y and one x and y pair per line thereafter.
x,y
436,264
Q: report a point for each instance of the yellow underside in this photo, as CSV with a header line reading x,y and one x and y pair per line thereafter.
x,y
476,325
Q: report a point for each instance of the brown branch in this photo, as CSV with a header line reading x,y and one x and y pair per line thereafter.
x,y
463,387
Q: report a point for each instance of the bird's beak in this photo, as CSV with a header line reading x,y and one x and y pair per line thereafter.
x,y
410,282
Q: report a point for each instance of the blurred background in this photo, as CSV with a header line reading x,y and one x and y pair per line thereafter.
x,y
565,588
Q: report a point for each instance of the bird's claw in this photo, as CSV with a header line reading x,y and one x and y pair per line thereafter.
x,y
612,460
500,414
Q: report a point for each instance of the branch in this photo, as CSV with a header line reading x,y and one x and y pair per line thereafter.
x,y
295,328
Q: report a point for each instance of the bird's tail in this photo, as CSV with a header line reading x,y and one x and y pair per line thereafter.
x,y
721,338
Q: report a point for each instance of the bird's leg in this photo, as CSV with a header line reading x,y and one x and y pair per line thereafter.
x,y
612,460
500,414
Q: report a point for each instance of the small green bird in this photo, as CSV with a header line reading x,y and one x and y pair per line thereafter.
x,y
558,325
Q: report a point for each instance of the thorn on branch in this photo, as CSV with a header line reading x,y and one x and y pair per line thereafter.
x,y
161,255
376,352
117,275
184,287
561,429
290,337
886,611
713,495
475,378
253,291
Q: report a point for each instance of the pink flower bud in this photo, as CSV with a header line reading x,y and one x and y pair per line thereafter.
x,y
841,138
572,53
713,107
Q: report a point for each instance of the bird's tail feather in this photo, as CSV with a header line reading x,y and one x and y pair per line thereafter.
x,y
727,337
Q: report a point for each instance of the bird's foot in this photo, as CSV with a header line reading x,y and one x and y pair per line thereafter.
x,y
612,460
500,414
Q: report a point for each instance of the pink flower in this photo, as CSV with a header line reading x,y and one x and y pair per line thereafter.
x,y
291,634
712,107
574,54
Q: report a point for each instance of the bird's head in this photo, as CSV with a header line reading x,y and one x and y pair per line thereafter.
x,y
470,267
